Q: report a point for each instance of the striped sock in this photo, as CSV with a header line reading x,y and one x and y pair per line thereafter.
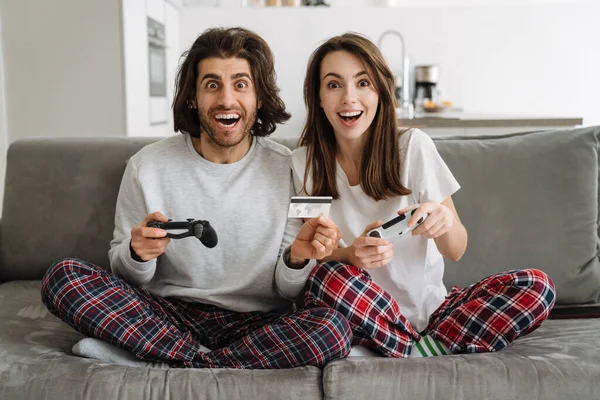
x,y
428,347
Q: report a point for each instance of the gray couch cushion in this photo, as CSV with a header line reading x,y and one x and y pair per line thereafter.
x,y
36,363
59,201
558,361
529,201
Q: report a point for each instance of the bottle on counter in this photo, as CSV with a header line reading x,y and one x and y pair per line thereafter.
x,y
404,107
398,89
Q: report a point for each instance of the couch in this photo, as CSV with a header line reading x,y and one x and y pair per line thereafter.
x,y
527,200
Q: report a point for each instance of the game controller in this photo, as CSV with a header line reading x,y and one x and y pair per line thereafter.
x,y
396,227
202,230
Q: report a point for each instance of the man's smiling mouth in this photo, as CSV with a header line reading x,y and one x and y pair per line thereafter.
x,y
227,120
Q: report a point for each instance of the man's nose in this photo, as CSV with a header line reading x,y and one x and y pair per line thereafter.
x,y
227,97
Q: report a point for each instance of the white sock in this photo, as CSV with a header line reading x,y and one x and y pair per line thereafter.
x,y
428,347
104,351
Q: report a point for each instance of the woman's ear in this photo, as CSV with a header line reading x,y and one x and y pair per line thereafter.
x,y
259,105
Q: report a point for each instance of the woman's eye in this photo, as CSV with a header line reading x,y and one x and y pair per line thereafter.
x,y
333,85
364,83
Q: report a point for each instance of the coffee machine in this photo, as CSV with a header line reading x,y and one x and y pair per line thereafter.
x,y
427,78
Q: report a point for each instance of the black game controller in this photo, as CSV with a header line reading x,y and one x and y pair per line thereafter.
x,y
199,229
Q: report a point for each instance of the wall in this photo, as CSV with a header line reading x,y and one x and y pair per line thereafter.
x,y
524,59
62,63
3,141
81,67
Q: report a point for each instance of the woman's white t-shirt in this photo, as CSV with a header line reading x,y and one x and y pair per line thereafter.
x,y
414,276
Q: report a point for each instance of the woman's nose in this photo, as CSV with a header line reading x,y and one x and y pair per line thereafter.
x,y
349,95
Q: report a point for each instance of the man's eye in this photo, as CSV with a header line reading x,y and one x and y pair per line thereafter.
x,y
241,85
212,85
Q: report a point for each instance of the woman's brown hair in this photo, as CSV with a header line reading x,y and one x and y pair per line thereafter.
x,y
229,43
381,164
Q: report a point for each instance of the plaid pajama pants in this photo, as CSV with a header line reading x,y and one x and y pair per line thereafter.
x,y
99,304
483,317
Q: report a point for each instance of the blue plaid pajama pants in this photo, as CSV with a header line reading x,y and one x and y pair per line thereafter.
x,y
98,304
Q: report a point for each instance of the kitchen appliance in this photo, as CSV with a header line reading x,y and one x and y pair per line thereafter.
x,y
427,78
157,71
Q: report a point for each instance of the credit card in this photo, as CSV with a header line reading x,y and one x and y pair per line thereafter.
x,y
309,206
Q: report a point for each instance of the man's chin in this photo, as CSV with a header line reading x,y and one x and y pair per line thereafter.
x,y
228,138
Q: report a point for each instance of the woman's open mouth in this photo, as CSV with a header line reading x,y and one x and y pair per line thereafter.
x,y
350,118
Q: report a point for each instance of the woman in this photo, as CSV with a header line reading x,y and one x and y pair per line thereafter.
x,y
392,292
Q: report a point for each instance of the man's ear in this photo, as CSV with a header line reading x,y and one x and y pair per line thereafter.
x,y
193,104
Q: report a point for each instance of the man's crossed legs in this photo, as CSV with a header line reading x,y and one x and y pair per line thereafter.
x,y
98,304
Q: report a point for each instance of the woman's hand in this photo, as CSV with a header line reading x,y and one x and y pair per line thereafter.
x,y
440,219
370,252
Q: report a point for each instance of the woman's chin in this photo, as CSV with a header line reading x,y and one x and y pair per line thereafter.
x,y
349,134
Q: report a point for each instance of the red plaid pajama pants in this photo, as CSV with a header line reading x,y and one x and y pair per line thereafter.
x,y
483,317
99,304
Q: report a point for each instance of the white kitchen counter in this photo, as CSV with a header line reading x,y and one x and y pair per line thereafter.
x,y
461,123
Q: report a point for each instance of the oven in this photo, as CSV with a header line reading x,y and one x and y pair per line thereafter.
x,y
157,69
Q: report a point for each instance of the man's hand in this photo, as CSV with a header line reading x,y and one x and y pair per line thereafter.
x,y
317,239
439,221
371,252
148,243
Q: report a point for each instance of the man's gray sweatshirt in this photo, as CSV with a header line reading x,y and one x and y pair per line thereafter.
x,y
246,202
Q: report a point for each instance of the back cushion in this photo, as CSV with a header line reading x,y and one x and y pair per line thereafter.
x,y
59,201
529,201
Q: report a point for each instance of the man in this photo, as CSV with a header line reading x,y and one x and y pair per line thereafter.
x,y
173,300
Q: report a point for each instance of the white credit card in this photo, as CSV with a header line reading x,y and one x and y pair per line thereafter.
x,y
309,206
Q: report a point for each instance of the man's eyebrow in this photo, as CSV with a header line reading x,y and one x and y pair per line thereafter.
x,y
340,77
234,76
241,75
211,76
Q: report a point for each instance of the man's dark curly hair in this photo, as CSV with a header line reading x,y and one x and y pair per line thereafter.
x,y
229,43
